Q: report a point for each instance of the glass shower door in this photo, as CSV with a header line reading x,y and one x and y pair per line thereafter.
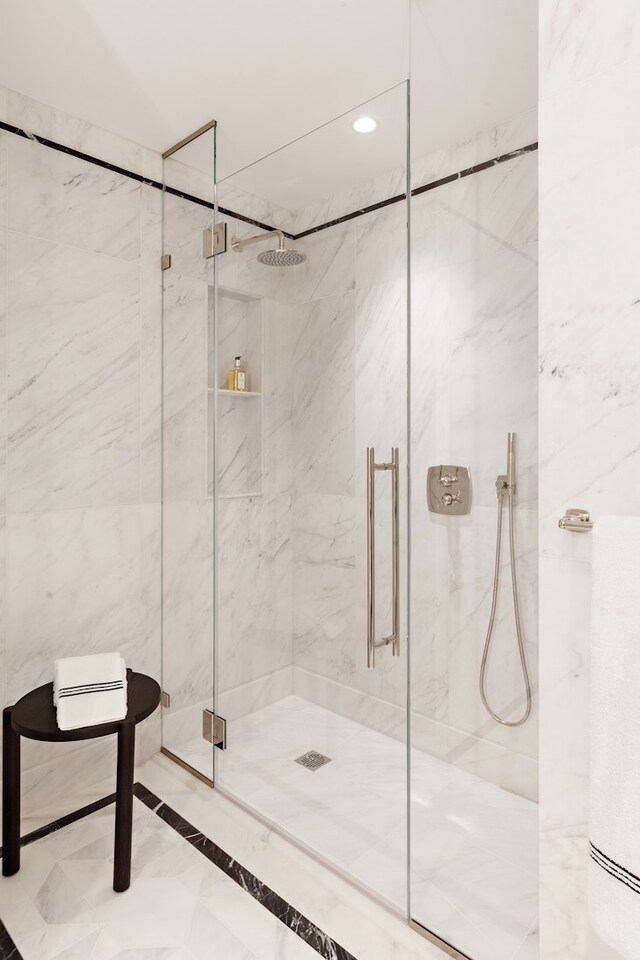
x,y
474,369
187,546
311,538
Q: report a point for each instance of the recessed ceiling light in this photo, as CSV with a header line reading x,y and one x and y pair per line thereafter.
x,y
364,125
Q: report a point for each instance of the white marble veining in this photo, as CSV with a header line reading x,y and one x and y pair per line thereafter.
x,y
589,401
323,396
72,377
473,378
61,904
183,223
184,411
81,570
330,264
344,316
4,248
324,585
497,141
254,626
79,307
45,121
278,393
239,326
4,146
187,653
151,280
291,563
179,903
180,173
577,42
59,197
473,845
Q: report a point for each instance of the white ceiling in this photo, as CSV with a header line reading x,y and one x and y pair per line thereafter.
x,y
268,72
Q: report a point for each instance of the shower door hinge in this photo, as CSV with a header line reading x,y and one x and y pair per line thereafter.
x,y
165,699
214,729
214,240
165,261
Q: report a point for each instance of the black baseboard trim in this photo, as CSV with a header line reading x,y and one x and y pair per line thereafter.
x,y
314,936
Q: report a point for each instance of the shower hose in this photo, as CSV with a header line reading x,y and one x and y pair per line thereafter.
x,y
503,489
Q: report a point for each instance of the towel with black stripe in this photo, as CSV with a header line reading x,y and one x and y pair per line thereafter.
x,y
614,768
90,690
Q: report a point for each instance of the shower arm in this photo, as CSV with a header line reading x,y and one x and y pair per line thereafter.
x,y
239,245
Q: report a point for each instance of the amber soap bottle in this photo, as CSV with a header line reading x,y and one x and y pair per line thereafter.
x,y
238,377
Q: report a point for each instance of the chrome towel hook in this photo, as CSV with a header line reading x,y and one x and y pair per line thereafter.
x,y
576,520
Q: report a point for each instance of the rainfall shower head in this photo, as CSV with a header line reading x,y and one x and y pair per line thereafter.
x,y
280,257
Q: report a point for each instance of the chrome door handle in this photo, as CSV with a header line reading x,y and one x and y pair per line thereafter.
x,y
394,637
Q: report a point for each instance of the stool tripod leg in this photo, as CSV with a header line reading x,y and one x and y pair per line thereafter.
x,y
124,807
10,796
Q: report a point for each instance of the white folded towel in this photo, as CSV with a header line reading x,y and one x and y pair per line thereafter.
x,y
614,821
90,690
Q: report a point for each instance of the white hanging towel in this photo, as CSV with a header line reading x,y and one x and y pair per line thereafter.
x,y
90,690
614,817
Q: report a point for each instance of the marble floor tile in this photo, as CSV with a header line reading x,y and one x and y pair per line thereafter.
x,y
473,844
61,905
473,871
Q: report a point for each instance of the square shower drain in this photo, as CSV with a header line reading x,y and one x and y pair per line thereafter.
x,y
313,760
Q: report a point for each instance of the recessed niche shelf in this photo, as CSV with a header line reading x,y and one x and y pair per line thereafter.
x,y
235,393
239,414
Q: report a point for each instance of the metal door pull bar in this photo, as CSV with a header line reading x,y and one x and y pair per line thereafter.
x,y
394,637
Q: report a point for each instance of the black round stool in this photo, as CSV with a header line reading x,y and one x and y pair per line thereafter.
x,y
34,716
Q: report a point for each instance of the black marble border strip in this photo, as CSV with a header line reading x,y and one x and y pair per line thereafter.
x,y
476,168
225,211
8,949
122,171
416,191
316,938
351,216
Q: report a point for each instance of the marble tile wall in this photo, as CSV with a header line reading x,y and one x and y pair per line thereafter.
x,y
79,419
474,377
589,400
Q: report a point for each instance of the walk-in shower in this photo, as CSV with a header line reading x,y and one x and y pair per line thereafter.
x,y
294,559
506,489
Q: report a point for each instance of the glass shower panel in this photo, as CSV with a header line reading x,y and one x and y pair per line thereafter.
x,y
317,309
473,782
187,454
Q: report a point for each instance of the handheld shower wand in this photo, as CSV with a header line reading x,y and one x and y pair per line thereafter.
x,y
506,487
